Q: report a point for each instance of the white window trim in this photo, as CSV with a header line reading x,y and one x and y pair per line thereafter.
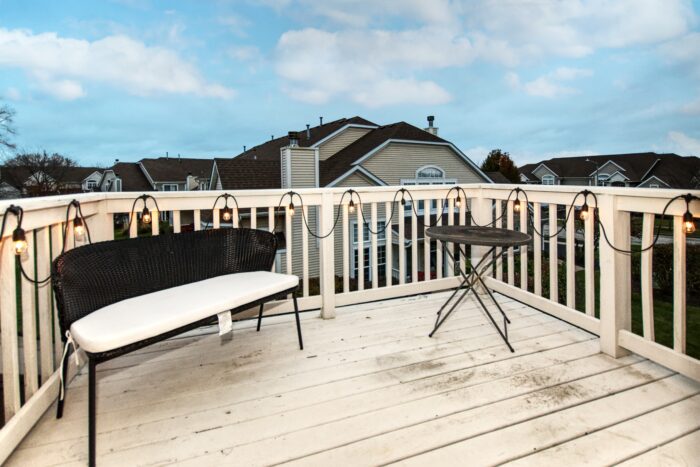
x,y
162,187
548,177
365,245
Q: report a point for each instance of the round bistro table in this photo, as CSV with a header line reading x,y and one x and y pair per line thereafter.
x,y
461,236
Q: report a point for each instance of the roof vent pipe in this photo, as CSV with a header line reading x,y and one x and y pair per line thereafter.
x,y
320,121
308,131
167,156
432,129
431,119
244,148
293,139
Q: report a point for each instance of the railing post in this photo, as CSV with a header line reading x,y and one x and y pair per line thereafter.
x,y
615,287
327,263
102,224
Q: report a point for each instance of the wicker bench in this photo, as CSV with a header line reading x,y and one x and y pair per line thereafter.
x,y
119,296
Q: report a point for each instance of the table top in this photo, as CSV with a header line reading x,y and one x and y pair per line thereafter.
x,y
481,236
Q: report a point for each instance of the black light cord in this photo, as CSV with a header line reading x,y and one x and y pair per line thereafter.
x,y
144,197
225,197
531,219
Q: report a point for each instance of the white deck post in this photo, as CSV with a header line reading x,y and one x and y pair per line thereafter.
x,y
481,214
615,293
327,273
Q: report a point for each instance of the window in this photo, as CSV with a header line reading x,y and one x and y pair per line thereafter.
x,y
366,246
548,180
117,184
169,187
367,258
653,185
430,173
603,179
381,233
91,184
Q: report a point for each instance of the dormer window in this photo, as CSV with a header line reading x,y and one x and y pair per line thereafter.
x,y
430,172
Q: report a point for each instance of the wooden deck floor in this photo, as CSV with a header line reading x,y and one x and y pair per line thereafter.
x,y
372,388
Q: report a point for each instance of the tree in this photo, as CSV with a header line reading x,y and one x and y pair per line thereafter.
x,y
40,174
499,161
6,127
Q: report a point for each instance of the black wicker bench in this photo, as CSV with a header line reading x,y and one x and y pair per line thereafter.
x,y
119,296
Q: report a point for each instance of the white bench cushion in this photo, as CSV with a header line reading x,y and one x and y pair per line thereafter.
x,y
146,316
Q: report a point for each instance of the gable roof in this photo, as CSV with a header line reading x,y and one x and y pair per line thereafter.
x,y
498,177
170,169
133,178
259,166
343,160
78,174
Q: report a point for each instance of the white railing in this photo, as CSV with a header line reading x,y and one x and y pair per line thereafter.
x,y
333,268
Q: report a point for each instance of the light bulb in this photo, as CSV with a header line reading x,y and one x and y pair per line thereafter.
x,y
458,201
291,208
516,206
403,201
146,215
688,223
227,215
19,241
78,229
351,206
583,214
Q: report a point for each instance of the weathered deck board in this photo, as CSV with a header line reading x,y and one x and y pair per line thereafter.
x,y
370,388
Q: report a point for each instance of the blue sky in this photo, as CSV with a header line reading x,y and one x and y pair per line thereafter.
x,y
129,79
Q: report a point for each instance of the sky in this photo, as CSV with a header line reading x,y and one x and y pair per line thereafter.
x,y
127,79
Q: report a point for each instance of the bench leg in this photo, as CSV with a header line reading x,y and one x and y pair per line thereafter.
x,y
296,314
91,412
262,305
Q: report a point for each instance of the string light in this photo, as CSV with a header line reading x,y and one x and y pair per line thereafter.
x,y
458,201
146,215
227,214
688,223
516,205
583,214
351,206
19,241
290,208
79,229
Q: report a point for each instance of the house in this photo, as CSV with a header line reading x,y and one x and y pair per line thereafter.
x,y
648,170
125,176
16,182
350,152
181,174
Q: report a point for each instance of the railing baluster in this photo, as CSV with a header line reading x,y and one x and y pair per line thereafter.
x,y
402,245
537,247
439,266
177,224
389,266
197,219
155,222
647,284
29,344
8,330
234,217
253,218
414,242
427,208
450,246
679,285
589,262
44,303
524,213
375,239
305,254
133,225
346,250
499,224
570,262
215,219
360,264
553,253
56,246
510,222
289,236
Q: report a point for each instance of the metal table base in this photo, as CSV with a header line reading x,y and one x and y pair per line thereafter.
x,y
468,282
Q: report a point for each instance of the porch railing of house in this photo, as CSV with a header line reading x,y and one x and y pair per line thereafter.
x,y
544,277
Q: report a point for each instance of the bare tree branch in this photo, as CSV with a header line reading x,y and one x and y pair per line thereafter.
x,y
7,128
40,173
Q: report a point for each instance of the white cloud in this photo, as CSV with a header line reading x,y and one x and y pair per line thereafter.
x,y
691,108
684,52
13,94
548,85
366,48
373,68
61,66
245,53
683,144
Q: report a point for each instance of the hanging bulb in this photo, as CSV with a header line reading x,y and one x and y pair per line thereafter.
x,y
583,214
227,215
516,206
688,223
403,201
351,206
146,215
19,241
291,208
458,201
79,229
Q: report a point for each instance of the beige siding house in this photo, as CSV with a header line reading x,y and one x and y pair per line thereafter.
x,y
349,153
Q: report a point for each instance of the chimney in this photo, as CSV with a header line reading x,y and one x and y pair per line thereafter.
x,y
293,139
433,130
244,148
320,121
272,137
308,131
178,157
167,156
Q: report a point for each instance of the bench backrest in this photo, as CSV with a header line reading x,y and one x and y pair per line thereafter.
x,y
93,276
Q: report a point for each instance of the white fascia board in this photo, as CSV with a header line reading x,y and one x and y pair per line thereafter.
x,y
361,170
617,172
654,177
340,130
606,163
148,176
542,164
